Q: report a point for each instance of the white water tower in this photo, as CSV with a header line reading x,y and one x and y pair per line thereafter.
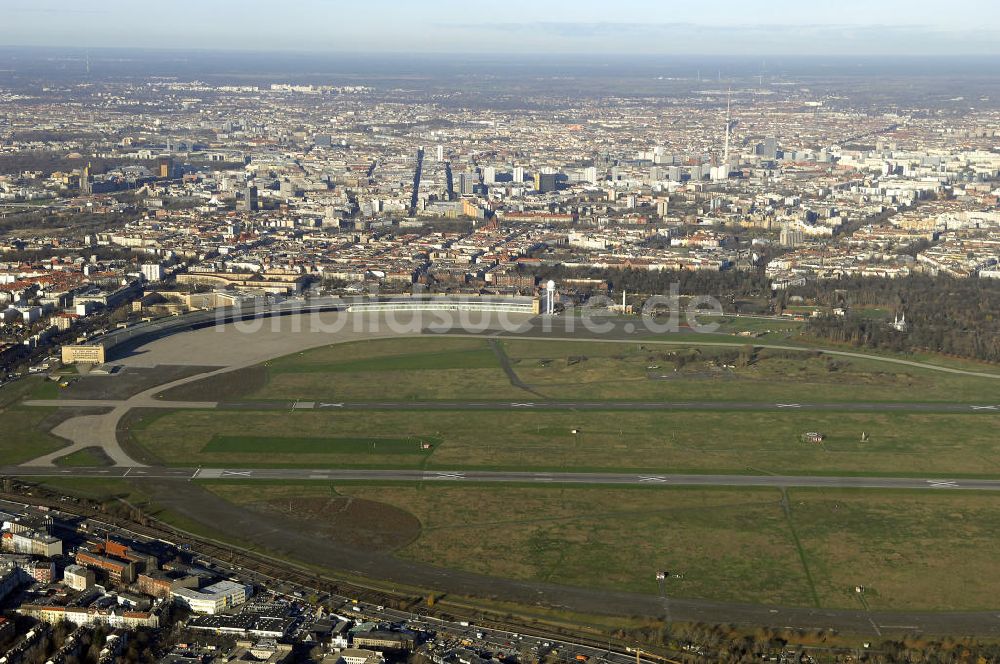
x,y
550,297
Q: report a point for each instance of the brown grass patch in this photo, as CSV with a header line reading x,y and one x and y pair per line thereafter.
x,y
355,522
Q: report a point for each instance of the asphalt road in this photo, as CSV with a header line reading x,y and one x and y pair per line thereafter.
x,y
837,406
509,477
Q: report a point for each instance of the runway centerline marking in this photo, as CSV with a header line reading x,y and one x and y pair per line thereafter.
x,y
653,478
522,405
943,484
241,473
788,405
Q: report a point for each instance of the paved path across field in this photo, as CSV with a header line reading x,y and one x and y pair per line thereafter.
x,y
509,477
837,406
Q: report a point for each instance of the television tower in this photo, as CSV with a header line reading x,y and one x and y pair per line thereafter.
x,y
725,150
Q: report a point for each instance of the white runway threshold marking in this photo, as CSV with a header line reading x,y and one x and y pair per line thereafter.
x,y
208,473
522,405
446,476
236,473
653,479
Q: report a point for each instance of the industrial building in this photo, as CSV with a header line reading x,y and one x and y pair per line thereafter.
x,y
157,583
118,570
214,598
78,577
383,640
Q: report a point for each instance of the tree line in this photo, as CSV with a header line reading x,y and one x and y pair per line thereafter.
x,y
942,314
728,283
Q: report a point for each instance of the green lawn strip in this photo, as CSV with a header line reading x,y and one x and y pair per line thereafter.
x,y
25,434
24,437
33,387
902,444
376,351
340,445
87,457
458,359
100,489
428,384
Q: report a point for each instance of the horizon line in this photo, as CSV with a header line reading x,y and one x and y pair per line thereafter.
x,y
494,53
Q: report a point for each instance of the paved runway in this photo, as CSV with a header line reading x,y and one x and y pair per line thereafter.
x,y
509,477
837,406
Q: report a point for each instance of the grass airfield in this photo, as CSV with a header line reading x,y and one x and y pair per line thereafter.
x,y
466,369
803,547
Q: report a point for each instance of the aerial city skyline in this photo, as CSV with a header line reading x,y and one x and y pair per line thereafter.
x,y
554,332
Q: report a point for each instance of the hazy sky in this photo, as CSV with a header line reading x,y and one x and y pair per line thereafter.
x,y
724,27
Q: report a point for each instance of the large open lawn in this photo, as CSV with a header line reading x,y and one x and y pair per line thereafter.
x,y
445,368
910,550
681,441
24,433
583,370
404,369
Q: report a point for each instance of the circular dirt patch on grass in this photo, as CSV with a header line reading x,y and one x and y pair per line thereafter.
x,y
354,522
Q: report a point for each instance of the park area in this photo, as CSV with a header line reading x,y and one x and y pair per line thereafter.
x,y
809,547
452,367
447,403
401,374
673,441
